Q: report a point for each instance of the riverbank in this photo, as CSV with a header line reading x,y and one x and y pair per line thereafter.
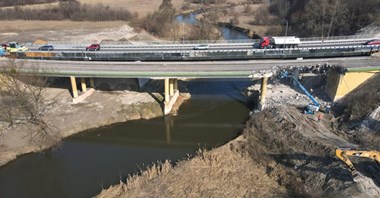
x,y
237,15
100,109
281,153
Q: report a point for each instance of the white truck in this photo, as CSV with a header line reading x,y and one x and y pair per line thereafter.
x,y
280,42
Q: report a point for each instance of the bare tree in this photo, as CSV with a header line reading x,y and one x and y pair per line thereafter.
x,y
335,10
205,29
22,101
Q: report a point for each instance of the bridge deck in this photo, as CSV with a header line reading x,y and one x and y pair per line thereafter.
x,y
195,69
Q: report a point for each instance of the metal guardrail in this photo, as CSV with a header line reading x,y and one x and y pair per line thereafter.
x,y
337,38
184,55
356,39
206,41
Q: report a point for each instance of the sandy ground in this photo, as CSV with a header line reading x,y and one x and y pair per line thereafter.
x,y
70,32
142,7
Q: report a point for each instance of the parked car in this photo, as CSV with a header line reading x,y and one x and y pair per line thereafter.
x,y
93,47
15,47
373,42
201,47
46,48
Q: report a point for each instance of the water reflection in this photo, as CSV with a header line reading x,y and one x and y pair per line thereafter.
x,y
228,33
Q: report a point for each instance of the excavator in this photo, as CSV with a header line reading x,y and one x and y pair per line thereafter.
x,y
344,154
310,108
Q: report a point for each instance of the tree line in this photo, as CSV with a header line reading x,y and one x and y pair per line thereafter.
x,y
68,10
324,18
4,3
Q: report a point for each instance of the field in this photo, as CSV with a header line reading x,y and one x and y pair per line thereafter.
x,y
142,7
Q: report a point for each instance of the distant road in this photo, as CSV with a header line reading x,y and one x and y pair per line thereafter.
x,y
189,69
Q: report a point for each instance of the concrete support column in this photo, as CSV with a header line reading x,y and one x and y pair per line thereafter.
x,y
171,87
83,84
166,90
74,86
92,83
175,84
264,82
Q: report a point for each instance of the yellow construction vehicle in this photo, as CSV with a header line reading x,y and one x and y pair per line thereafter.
x,y
344,153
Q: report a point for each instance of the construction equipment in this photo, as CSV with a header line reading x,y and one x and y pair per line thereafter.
x,y
344,154
15,47
311,108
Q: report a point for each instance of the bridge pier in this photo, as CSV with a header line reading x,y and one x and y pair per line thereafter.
x,y
83,85
263,91
92,83
263,75
86,93
171,94
74,86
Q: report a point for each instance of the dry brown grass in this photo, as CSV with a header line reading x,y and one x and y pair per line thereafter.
x,y
22,25
142,7
222,172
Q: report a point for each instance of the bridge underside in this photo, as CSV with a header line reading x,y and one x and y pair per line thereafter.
x,y
339,83
170,87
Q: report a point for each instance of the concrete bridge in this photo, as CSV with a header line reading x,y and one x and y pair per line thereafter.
x,y
359,69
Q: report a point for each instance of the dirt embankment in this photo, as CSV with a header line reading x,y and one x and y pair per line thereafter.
x,y
281,153
100,109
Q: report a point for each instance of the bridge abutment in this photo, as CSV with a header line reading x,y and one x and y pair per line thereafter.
x,y
341,83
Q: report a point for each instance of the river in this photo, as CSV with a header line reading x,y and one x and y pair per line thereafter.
x,y
228,33
89,161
